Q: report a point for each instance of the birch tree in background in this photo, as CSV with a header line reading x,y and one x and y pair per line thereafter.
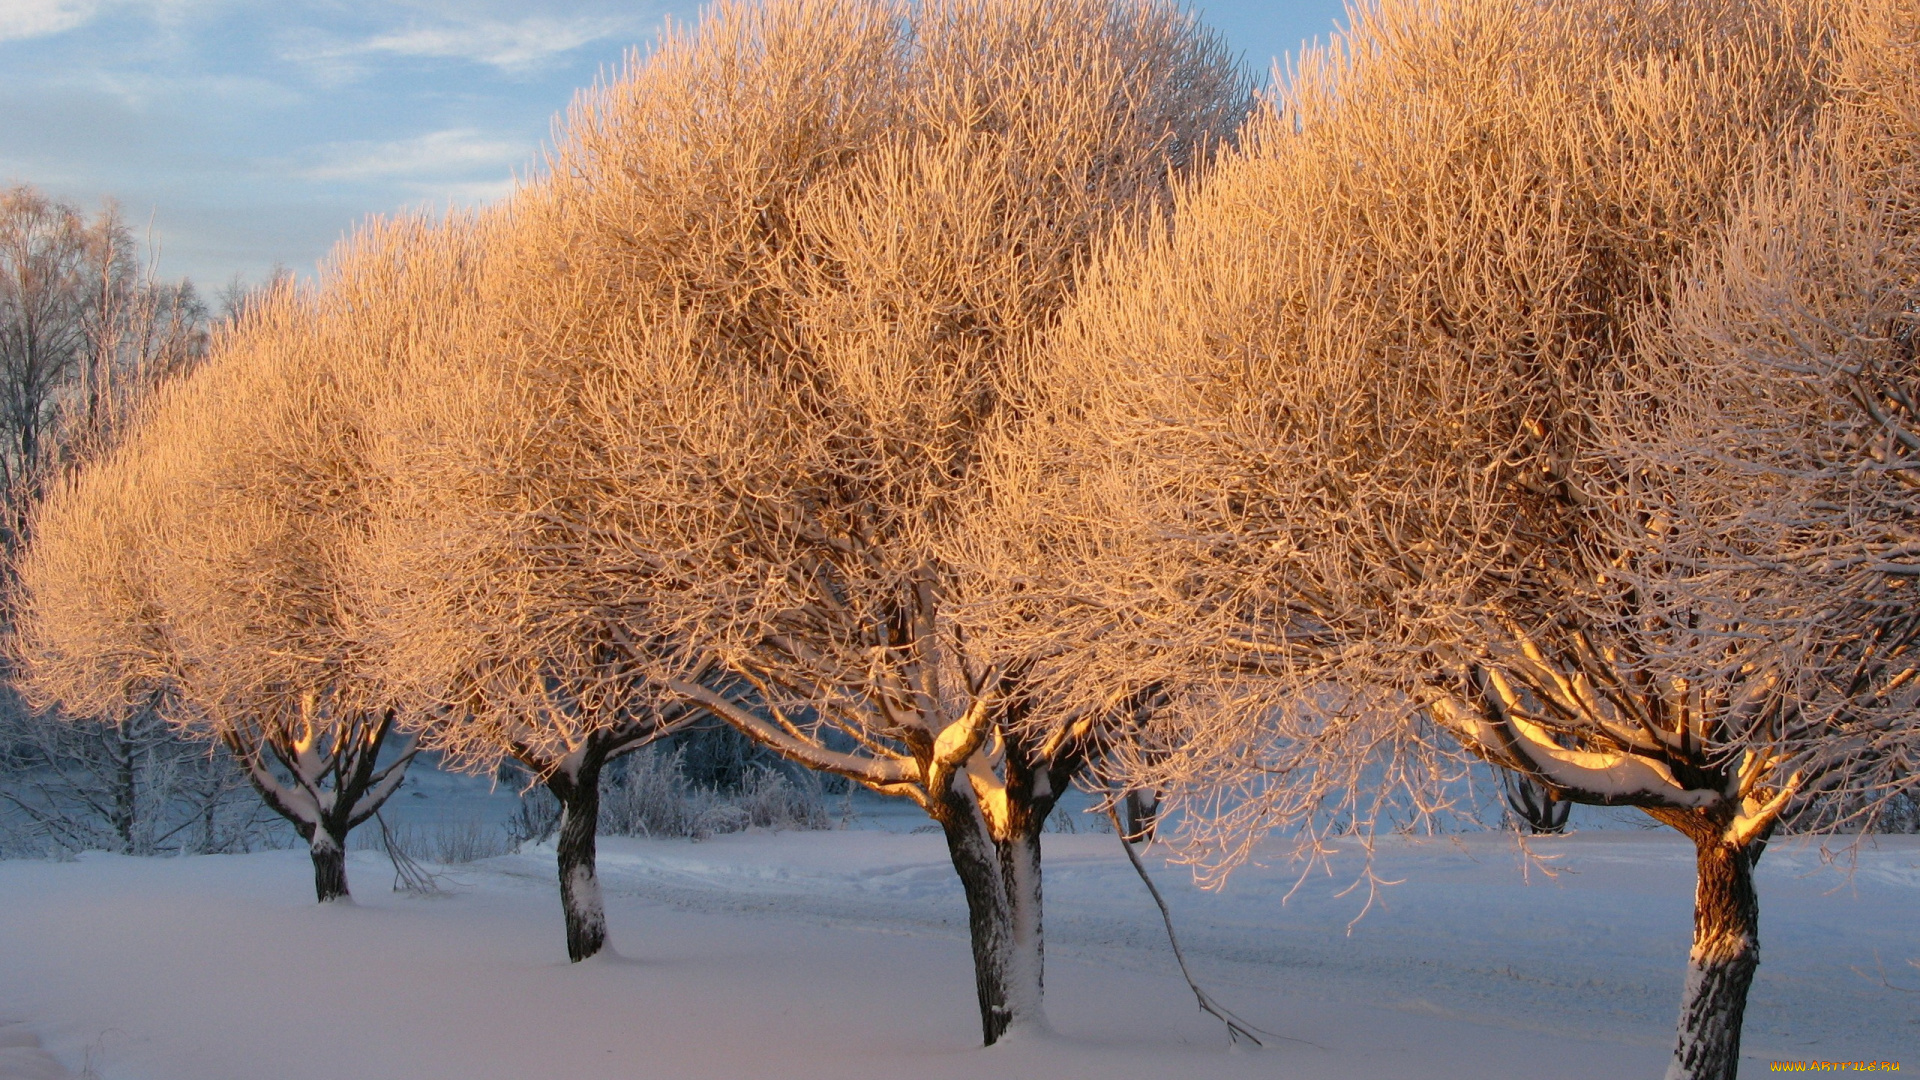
x,y
1341,436
204,562
776,292
129,784
45,298
86,331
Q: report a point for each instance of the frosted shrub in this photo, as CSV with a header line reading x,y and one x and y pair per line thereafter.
x,y
654,798
536,819
136,787
455,842
447,843
773,800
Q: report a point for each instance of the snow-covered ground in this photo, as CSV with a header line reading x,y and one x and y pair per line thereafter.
x,y
843,954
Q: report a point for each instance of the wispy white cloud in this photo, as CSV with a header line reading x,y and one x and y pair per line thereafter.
x,y
21,19
512,46
257,132
38,18
507,45
453,154
190,92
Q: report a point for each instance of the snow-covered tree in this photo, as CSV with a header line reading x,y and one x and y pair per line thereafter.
x,y
1341,435
775,294
490,622
202,566
1781,427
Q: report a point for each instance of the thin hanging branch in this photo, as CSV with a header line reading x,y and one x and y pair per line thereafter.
x,y
1237,1029
408,875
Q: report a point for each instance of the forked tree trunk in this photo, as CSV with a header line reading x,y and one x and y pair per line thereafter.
x,y
580,900
1002,884
329,864
988,925
999,867
1534,804
323,819
1726,950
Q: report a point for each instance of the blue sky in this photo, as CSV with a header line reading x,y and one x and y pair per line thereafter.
x,y
256,132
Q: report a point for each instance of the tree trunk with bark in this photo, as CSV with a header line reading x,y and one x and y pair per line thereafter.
x,y
575,782
330,792
578,790
1727,814
126,795
1726,951
329,864
1008,959
997,856
1143,815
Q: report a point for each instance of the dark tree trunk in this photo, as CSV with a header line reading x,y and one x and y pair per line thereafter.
x,y
999,870
580,900
989,924
208,814
353,774
578,791
1726,950
126,801
1143,815
329,865
1020,871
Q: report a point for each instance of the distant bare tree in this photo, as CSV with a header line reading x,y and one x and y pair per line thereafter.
x,y
238,296
44,295
85,331
134,785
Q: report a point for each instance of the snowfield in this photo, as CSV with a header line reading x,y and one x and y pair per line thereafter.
x,y
844,955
